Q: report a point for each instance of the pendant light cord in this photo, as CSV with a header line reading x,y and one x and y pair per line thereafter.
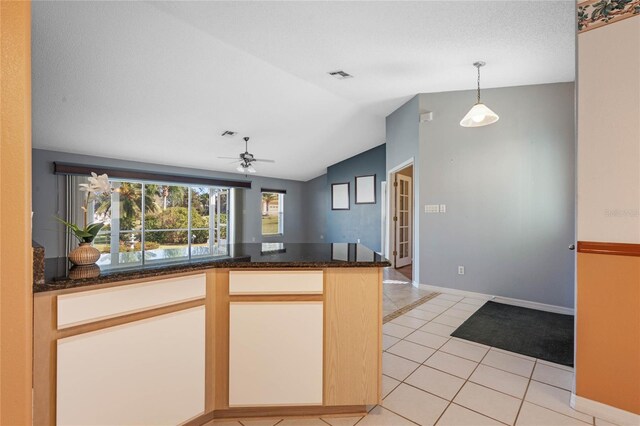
x,y
478,66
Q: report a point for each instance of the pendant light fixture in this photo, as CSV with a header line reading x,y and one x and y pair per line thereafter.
x,y
479,115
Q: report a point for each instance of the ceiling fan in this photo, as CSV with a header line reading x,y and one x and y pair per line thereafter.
x,y
246,158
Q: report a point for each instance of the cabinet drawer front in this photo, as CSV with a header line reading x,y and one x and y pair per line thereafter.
x,y
275,282
93,305
275,353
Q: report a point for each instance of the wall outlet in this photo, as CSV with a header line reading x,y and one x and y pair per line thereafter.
x,y
321,237
358,240
253,239
460,270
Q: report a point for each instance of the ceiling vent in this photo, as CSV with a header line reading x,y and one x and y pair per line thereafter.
x,y
340,75
229,133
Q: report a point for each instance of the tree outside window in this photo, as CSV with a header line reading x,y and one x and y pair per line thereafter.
x,y
147,222
272,213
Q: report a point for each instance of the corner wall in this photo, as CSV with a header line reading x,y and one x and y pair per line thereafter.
x,y
361,221
508,190
403,144
316,205
608,275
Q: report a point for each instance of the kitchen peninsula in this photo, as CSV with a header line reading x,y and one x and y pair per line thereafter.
x,y
266,330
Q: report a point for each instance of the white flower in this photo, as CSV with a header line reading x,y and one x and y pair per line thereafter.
x,y
100,183
97,184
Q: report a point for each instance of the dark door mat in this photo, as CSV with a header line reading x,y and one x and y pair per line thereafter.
x,y
539,334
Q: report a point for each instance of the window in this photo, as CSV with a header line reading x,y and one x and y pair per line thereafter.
x,y
272,213
147,222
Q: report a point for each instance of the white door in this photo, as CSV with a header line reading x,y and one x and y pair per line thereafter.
x,y
402,220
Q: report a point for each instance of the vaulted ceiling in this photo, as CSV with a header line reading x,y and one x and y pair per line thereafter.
x,y
160,81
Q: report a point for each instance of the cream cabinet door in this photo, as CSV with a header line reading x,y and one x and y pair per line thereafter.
x,y
148,372
275,353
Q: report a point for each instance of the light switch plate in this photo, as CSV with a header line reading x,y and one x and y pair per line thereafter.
x,y
432,208
443,208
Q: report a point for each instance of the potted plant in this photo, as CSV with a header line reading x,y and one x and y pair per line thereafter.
x,y
85,253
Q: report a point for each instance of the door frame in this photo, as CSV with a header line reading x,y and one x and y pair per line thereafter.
x,y
390,230
398,177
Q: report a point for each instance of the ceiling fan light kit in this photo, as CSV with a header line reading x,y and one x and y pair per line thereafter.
x,y
479,115
246,159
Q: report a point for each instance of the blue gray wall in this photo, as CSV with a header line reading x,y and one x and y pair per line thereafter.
x,y
509,192
316,205
361,221
402,133
403,144
49,199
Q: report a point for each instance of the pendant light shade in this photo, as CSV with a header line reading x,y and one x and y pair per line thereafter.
x,y
479,115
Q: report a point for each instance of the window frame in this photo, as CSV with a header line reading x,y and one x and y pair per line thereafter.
x,y
214,228
280,214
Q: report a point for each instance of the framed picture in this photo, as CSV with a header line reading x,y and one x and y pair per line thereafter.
x,y
340,196
366,189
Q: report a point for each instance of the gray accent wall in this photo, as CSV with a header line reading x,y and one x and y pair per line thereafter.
x,y
49,196
316,205
402,133
361,221
403,144
509,190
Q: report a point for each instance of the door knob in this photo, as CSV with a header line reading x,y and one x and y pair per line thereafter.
x,y
572,247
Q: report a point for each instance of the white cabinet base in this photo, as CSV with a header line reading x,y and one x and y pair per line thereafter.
x,y
148,372
275,353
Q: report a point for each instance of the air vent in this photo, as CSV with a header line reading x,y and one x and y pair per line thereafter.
x,y
229,133
340,75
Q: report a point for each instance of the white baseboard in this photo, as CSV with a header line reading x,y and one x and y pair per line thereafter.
x,y
535,305
456,291
500,299
604,411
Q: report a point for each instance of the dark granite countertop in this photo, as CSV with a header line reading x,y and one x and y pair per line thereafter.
x,y
59,276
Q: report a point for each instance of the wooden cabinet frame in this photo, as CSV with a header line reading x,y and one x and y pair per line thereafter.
x,y
352,300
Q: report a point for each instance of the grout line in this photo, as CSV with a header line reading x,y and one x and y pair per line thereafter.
x,y
463,385
398,414
526,390
478,412
563,414
549,384
395,387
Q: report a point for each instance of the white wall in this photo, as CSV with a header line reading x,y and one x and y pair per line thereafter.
x,y
609,149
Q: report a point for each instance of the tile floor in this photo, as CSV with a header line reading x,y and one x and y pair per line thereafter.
x,y
397,296
431,378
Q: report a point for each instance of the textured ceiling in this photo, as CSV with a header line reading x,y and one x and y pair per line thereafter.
x,y
160,81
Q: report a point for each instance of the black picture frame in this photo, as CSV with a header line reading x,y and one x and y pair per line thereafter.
x,y
368,199
340,202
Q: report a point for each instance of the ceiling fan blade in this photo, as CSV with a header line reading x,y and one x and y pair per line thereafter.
x,y
264,160
229,158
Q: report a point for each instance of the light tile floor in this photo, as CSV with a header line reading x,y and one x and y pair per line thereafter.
x,y
397,296
431,378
